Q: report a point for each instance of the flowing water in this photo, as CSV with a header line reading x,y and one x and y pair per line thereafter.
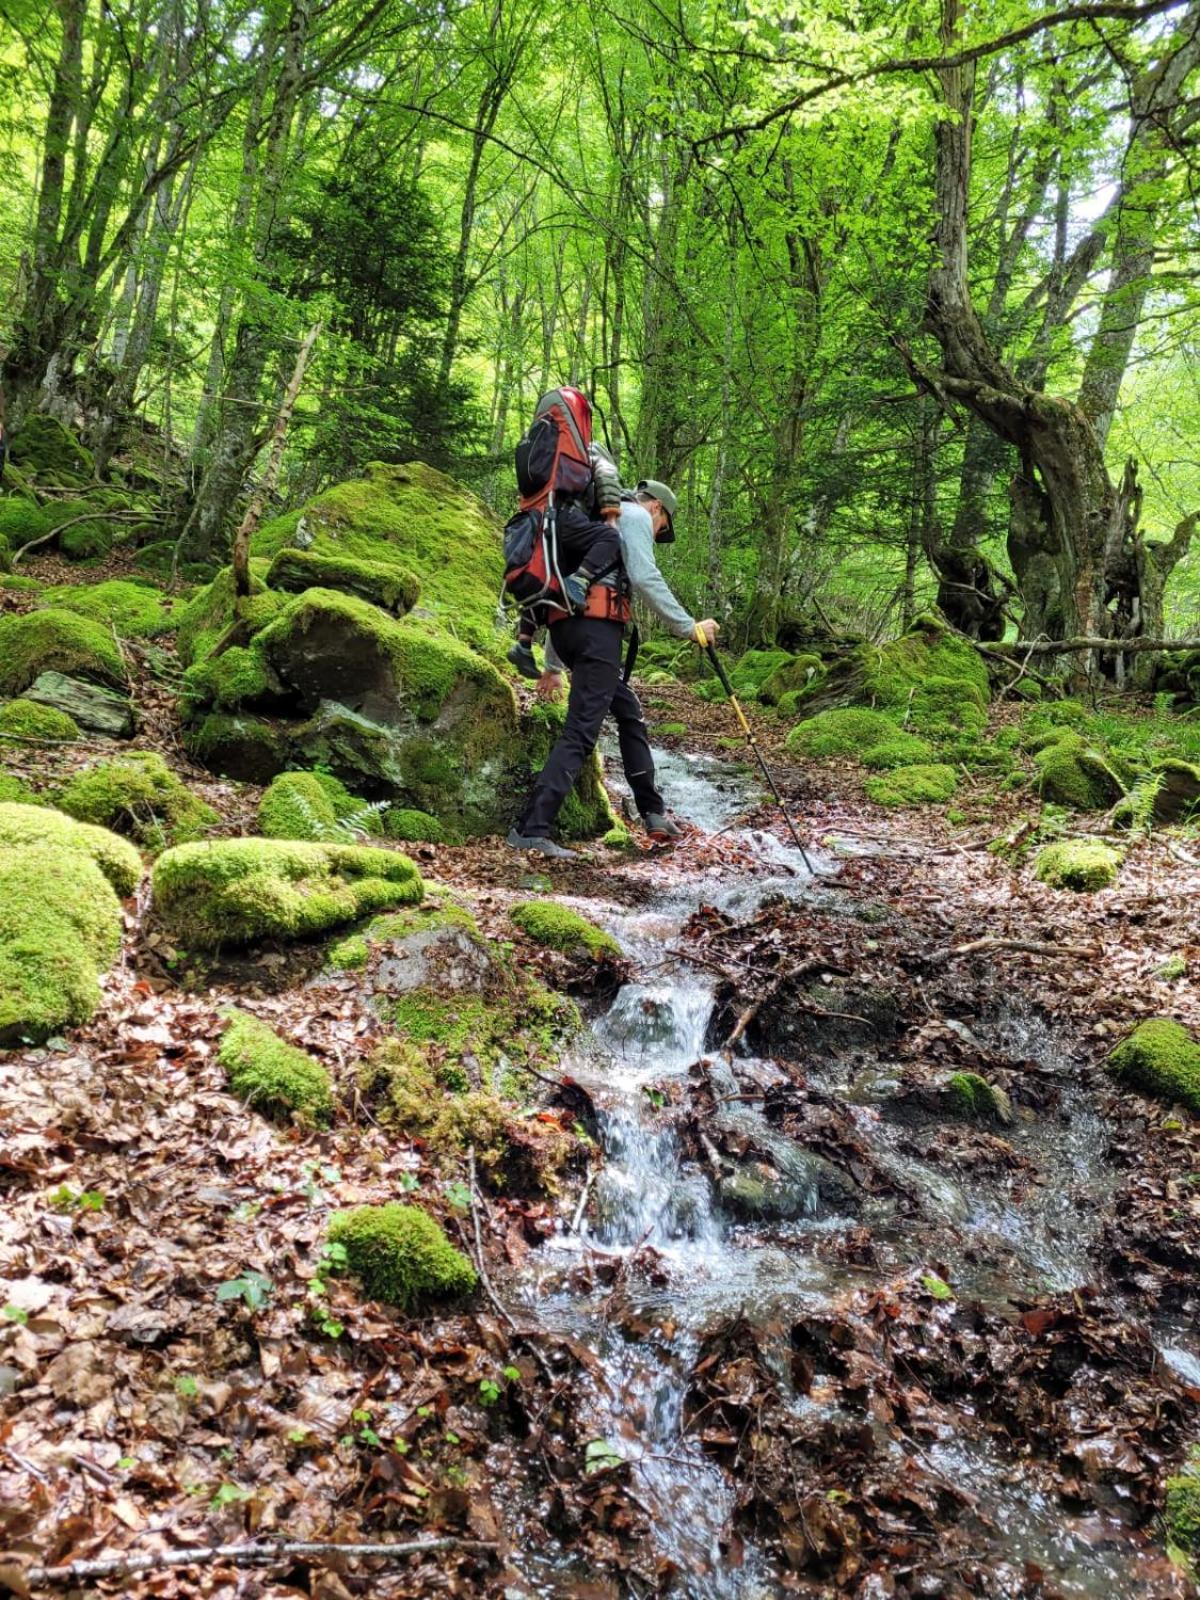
x,y
648,1202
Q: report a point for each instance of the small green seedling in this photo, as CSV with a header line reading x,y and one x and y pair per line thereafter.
x,y
253,1288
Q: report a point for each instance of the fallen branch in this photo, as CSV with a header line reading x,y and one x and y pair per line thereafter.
x,y
1029,947
72,522
1055,647
238,1555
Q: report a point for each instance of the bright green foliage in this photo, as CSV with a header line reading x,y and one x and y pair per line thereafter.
x,y
25,719
413,827
1160,1058
898,749
793,676
15,582
130,609
382,583
239,890
62,641
210,611
14,792
420,519
1080,864
913,786
562,929
751,671
943,707
670,730
1183,1506
308,805
138,794
270,1074
401,1254
60,927
22,825
842,734
225,681
973,1096
1072,773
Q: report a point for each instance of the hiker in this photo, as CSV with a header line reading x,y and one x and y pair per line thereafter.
x,y
589,644
588,541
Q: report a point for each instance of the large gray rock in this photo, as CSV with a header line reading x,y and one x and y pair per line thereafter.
x,y
100,710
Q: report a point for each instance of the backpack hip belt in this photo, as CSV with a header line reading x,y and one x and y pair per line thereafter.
x,y
603,604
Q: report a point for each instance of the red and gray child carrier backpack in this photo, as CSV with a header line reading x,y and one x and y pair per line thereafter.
x,y
553,468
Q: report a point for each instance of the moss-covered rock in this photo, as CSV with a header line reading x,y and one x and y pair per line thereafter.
x,y
15,792
234,678
43,447
945,707
1070,772
22,521
921,785
417,518
131,609
1079,864
312,805
1160,1058
239,890
413,827
751,670
841,734
250,749
796,675
898,749
138,795
401,1254
211,610
1176,796
970,1095
272,1075
58,640
890,676
1182,1508
22,826
26,719
60,927
384,584
562,929
90,705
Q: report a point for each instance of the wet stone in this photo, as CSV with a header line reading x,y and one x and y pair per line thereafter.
x,y
99,710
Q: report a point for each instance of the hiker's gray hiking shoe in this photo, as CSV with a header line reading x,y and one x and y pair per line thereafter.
x,y
545,847
661,829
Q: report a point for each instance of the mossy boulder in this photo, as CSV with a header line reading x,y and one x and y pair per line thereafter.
x,y
841,734
43,447
1176,791
60,919
1070,772
751,670
22,826
890,676
384,584
1160,1058
271,1075
563,929
795,675
22,521
925,784
1079,864
26,719
401,1254
968,1094
896,749
224,682
942,708
137,794
131,609
251,749
14,791
239,890
414,827
209,613
312,805
60,640
414,517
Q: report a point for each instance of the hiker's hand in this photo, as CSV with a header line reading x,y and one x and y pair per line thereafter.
x,y
549,686
707,631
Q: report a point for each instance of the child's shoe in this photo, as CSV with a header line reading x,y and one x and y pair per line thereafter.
x,y
522,658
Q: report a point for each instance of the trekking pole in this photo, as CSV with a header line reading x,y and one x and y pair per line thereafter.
x,y
713,657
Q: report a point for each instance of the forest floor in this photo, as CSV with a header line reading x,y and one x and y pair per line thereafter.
x,y
1007,1302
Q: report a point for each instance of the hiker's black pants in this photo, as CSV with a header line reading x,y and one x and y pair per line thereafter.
x,y
591,648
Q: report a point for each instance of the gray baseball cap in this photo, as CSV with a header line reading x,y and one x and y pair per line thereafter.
x,y
655,489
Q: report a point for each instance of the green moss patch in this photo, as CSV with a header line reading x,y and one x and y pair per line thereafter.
x,y
45,448
1079,864
13,791
384,584
245,747
751,670
1182,1509
312,805
138,795
239,890
23,825
270,1074
841,734
1072,773
25,719
898,749
563,929
60,927
56,640
414,827
132,610
944,707
1160,1058
794,676
421,520
401,1254
210,611
922,785
971,1095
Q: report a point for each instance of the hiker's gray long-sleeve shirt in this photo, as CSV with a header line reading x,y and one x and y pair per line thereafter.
x,y
646,581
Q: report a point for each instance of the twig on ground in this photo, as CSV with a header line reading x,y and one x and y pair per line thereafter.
x,y
238,1555
1029,947
583,1198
